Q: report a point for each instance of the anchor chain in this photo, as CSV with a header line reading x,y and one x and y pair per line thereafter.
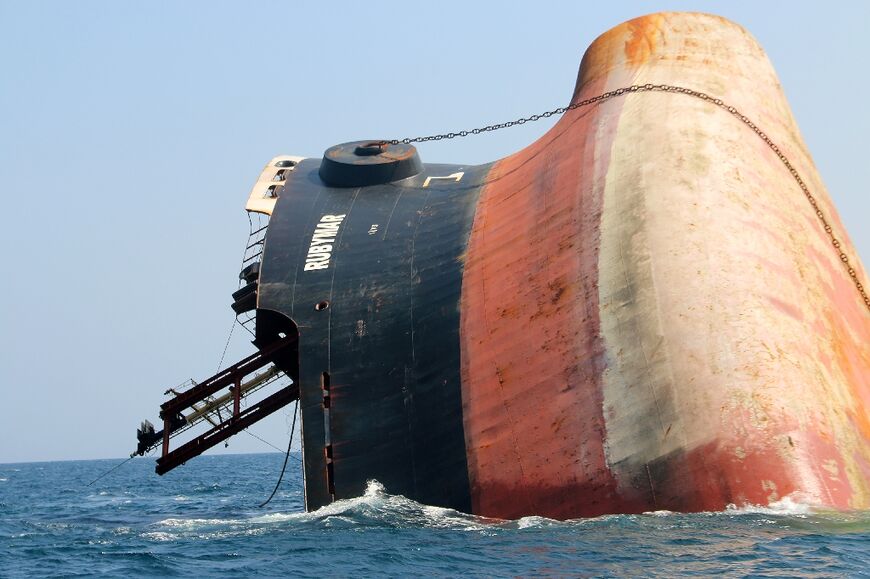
x,y
638,88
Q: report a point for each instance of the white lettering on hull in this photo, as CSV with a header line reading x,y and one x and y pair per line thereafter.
x,y
322,242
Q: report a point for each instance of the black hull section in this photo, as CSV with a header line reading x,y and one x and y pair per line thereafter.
x,y
378,324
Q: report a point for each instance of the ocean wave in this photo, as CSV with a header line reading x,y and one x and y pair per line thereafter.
x,y
177,529
377,508
662,513
160,536
52,526
536,523
374,508
174,523
787,506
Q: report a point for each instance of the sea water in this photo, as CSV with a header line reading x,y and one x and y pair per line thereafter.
x,y
203,519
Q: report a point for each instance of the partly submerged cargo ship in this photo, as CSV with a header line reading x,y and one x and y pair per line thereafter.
x,y
653,306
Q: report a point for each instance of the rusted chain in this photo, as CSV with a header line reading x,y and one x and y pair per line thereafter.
x,y
638,88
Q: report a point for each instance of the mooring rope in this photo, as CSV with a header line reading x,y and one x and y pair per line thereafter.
x,y
286,457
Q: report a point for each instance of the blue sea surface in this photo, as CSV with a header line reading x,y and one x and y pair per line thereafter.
x,y
203,520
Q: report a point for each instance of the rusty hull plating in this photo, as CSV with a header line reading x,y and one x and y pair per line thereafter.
x,y
639,311
690,338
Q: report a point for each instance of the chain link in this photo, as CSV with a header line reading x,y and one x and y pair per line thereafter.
x,y
637,88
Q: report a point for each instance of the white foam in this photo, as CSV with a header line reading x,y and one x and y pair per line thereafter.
x,y
374,489
159,536
790,505
443,518
3,479
276,518
377,503
374,496
535,522
194,523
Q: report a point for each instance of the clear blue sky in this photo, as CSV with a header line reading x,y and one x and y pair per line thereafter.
x,y
130,134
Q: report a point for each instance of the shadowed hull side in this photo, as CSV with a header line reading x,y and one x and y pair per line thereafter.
x,y
379,368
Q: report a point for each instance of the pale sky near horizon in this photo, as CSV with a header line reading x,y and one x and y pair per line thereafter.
x,y
132,133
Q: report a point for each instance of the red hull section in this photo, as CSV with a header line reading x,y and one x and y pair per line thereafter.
x,y
533,353
622,350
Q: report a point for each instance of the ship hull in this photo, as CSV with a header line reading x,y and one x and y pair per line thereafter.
x,y
640,311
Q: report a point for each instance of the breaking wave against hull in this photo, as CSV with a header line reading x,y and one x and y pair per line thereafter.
x,y
203,521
